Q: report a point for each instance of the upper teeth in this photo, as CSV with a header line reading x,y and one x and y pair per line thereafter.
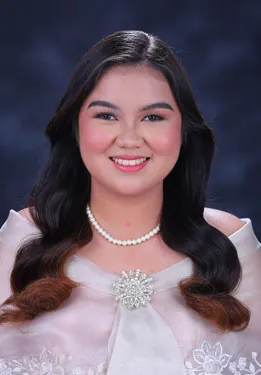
x,y
129,162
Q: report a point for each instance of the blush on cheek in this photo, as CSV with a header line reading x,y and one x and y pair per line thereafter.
x,y
94,140
167,143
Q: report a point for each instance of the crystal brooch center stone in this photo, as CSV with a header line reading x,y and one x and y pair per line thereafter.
x,y
133,289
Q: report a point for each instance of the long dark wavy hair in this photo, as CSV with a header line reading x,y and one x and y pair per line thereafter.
x,y
58,200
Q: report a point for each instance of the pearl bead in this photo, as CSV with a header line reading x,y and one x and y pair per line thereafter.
x,y
109,238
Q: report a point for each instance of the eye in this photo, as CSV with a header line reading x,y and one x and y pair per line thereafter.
x,y
105,116
154,118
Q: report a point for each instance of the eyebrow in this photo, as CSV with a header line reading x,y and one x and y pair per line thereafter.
x,y
103,103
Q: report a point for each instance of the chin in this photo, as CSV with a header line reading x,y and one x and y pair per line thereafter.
x,y
132,190
128,192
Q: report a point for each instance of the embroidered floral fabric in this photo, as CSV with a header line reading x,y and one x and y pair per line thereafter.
x,y
210,359
207,360
93,334
47,363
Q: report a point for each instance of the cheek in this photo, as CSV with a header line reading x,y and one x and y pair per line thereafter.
x,y
93,139
168,142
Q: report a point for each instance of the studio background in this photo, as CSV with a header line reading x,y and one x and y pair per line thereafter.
x,y
218,43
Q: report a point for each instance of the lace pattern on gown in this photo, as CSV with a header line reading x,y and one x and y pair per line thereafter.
x,y
208,360
211,360
48,363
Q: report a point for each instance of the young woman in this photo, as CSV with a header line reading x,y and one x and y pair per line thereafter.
x,y
124,190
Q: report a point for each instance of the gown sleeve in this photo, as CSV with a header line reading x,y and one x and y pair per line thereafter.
x,y
249,289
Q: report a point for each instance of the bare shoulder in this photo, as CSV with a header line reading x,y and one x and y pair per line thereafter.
x,y
26,213
223,221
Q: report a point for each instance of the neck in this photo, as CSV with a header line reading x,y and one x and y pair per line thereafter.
x,y
123,216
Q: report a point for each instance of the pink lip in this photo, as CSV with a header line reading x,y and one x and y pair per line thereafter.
x,y
130,168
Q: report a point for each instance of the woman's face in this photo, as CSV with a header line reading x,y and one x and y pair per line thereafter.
x,y
131,114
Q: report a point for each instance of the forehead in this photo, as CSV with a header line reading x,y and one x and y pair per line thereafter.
x,y
125,81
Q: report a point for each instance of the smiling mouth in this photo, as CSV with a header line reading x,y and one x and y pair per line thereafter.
x,y
129,162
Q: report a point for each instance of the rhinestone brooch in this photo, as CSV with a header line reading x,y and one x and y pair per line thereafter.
x,y
133,289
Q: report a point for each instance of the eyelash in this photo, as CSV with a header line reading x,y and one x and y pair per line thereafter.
x,y
102,116
158,117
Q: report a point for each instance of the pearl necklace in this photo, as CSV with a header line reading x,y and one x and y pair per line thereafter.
x,y
109,238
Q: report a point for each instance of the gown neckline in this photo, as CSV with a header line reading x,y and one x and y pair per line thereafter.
x,y
167,278
85,271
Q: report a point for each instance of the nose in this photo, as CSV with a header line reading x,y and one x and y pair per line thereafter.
x,y
129,138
